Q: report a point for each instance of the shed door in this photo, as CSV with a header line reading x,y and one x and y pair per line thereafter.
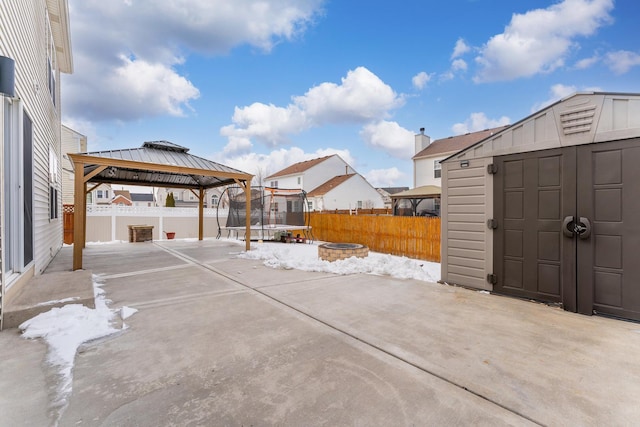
x,y
568,227
534,192
608,274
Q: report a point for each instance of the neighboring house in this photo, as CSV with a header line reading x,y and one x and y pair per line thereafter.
x,y
547,208
101,195
387,192
143,199
333,183
122,198
350,191
309,174
186,198
35,47
72,142
426,162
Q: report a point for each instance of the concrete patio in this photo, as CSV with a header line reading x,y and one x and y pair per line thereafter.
x,y
224,341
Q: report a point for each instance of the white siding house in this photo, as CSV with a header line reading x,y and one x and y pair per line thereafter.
x,y
35,40
350,191
330,183
309,174
72,142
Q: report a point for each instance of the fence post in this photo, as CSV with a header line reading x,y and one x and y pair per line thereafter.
x,y
113,222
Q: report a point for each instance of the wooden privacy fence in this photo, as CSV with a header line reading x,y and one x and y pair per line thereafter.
x,y
67,215
411,236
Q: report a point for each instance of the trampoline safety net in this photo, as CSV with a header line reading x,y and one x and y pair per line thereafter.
x,y
270,208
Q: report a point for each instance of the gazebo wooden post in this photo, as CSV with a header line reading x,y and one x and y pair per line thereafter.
x,y
201,213
80,211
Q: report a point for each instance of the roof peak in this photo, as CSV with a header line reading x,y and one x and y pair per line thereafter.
x,y
165,145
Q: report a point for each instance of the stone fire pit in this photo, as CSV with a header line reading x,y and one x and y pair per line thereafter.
x,y
336,251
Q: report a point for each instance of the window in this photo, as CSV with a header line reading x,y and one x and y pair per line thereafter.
x,y
106,194
99,194
274,184
437,169
214,200
299,180
53,184
359,204
310,205
51,63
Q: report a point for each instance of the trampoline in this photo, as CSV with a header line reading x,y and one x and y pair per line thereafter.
x,y
275,212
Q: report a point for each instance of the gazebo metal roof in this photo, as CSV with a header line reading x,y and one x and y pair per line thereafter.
x,y
156,163
183,170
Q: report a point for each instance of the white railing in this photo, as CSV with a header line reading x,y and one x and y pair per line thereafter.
x,y
115,210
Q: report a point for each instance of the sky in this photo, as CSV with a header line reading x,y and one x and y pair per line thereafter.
x,y
66,328
261,84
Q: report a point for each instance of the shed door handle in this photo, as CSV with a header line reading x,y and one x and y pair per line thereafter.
x,y
568,226
583,228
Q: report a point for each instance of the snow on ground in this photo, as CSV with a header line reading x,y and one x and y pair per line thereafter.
x,y
64,329
300,256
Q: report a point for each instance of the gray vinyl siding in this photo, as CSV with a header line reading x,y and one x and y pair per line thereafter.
x,y
466,241
23,39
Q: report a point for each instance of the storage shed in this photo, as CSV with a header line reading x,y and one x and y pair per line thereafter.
x,y
547,209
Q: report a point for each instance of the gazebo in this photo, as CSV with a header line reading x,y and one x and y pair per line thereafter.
x,y
414,197
156,163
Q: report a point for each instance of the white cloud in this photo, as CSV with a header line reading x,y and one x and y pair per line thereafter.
x,y
538,41
421,79
586,62
622,61
477,122
386,177
270,124
360,98
140,45
459,65
449,75
390,137
460,49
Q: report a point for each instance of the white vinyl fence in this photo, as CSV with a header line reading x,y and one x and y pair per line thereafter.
x,y
109,223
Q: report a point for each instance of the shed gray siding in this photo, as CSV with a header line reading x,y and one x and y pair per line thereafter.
x,y
466,245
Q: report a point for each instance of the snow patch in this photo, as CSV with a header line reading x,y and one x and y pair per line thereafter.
x,y
64,329
305,257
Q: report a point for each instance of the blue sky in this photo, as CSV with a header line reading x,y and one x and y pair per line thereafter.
x,y
261,84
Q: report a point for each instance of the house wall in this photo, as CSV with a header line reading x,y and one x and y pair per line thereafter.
x,y
423,171
106,195
290,181
72,142
23,37
347,195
